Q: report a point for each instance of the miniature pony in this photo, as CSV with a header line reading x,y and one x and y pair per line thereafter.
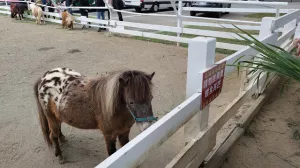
x,y
18,9
37,12
67,20
111,103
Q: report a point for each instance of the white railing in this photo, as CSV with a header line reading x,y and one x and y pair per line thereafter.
x,y
126,27
133,153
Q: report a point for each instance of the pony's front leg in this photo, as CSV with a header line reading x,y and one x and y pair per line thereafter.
x,y
110,144
124,138
44,20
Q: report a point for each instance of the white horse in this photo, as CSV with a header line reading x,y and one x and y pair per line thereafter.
x,y
37,12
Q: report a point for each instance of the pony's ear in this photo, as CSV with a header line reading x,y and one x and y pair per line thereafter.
x,y
151,76
123,82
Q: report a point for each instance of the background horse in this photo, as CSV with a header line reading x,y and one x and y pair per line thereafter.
x,y
37,13
67,20
18,9
111,104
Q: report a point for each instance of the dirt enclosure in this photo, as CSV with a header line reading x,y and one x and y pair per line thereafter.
x,y
28,50
273,138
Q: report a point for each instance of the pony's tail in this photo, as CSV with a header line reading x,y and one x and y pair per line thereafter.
x,y
42,116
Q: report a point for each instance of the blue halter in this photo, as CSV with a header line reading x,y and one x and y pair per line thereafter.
x,y
137,119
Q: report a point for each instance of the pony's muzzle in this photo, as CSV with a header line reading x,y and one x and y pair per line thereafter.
x,y
144,125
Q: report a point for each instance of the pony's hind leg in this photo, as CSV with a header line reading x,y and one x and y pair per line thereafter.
x,y
55,131
61,136
124,138
110,144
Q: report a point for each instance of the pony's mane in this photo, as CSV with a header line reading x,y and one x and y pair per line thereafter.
x,y
105,91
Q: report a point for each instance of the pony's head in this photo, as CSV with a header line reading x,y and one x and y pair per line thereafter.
x,y
136,90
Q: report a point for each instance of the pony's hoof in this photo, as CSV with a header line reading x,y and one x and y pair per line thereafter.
x,y
63,139
61,160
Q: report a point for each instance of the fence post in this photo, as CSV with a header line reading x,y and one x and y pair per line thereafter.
x,y
277,12
266,27
297,32
201,55
179,20
8,9
290,25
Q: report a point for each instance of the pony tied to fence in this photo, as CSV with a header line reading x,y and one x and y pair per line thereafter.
x,y
67,20
18,9
112,104
37,13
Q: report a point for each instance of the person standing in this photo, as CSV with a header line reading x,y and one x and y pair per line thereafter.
x,y
40,3
68,4
84,12
119,5
100,12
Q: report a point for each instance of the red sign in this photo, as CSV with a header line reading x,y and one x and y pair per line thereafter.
x,y
212,83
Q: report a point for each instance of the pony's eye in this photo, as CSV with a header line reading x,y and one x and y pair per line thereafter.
x,y
131,102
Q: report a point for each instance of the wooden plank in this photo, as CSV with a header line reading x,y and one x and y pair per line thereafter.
x,y
243,2
200,32
207,136
221,25
235,10
211,33
150,35
220,154
222,20
150,26
218,157
92,20
52,14
286,36
228,46
172,38
4,12
281,21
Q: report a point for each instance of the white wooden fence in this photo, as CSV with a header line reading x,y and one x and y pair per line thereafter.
x,y
156,31
192,155
201,53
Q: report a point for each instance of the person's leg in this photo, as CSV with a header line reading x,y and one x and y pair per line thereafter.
x,y
82,14
103,15
98,14
68,4
99,17
103,18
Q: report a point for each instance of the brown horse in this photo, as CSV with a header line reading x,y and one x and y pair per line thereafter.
x,y
111,103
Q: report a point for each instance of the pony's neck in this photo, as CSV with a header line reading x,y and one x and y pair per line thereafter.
x,y
104,92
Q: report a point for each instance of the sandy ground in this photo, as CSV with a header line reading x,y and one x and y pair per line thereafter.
x,y
28,50
273,138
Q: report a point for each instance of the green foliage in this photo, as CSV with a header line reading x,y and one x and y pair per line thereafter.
x,y
271,59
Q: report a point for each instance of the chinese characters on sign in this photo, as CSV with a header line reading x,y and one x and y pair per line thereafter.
x,y
212,84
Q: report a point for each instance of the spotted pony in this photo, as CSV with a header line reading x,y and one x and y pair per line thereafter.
x,y
111,103
54,82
